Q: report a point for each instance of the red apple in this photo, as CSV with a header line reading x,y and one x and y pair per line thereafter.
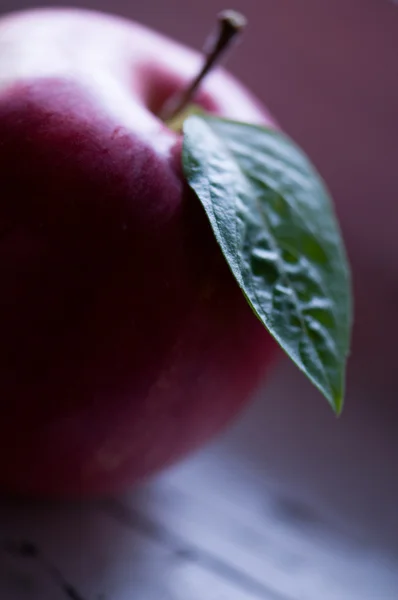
x,y
124,340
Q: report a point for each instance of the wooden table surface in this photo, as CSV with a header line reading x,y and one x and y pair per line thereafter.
x,y
289,504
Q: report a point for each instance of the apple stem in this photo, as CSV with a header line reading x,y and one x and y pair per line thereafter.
x,y
230,25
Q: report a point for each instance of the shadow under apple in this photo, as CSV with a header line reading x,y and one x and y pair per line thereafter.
x,y
75,551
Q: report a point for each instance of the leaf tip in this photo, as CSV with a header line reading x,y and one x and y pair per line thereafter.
x,y
338,404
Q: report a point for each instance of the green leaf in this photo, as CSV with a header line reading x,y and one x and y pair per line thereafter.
x,y
274,221
176,123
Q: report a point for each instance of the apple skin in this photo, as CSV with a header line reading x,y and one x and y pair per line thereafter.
x,y
125,342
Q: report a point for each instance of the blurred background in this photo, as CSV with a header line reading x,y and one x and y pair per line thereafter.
x,y
328,71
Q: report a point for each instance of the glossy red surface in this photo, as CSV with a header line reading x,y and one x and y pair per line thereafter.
x,y
125,342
